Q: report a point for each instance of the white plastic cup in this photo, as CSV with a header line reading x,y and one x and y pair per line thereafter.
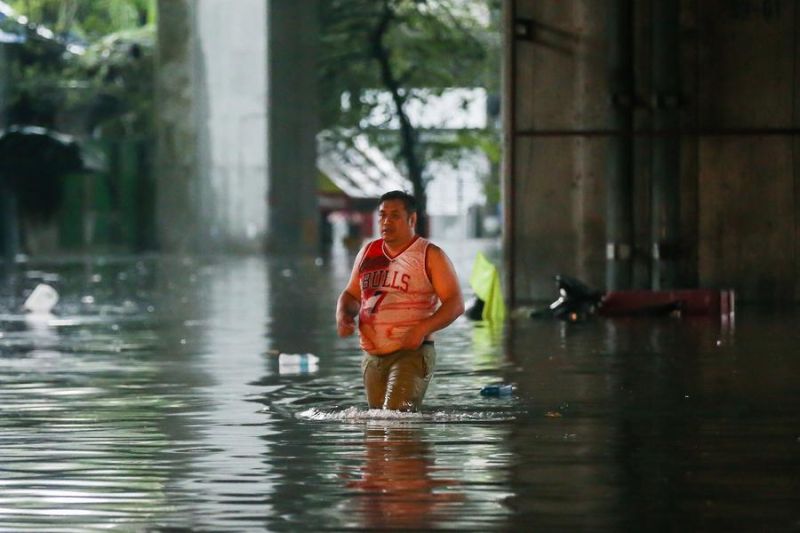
x,y
42,299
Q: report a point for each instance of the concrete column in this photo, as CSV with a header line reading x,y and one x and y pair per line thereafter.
x,y
292,125
3,85
666,193
212,131
555,78
176,153
232,118
619,195
9,232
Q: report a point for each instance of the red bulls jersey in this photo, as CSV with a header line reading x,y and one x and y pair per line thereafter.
x,y
396,293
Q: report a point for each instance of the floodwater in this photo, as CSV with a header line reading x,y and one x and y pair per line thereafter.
x,y
153,399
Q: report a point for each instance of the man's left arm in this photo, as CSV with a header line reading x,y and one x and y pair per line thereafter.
x,y
445,284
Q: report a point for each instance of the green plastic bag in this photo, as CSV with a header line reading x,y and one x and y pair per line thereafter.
x,y
485,281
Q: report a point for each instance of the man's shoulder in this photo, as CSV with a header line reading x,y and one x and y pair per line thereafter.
x,y
437,257
433,247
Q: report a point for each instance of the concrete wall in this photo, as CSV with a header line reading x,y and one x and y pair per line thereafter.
x,y
747,83
737,128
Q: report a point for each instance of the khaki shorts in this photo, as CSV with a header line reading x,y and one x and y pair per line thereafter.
x,y
398,380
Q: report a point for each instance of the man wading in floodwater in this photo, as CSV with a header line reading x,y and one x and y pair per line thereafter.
x,y
403,288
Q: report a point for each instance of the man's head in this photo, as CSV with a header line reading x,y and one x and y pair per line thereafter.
x,y
398,216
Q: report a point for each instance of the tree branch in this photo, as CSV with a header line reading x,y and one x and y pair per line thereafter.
x,y
408,135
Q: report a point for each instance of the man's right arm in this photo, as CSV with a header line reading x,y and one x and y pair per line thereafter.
x,y
346,311
349,303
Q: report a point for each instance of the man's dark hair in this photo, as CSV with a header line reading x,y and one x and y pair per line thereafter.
x,y
409,201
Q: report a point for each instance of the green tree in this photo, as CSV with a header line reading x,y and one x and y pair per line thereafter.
x,y
79,67
83,64
411,50
87,19
119,72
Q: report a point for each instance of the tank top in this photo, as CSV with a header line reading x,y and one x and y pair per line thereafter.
x,y
396,293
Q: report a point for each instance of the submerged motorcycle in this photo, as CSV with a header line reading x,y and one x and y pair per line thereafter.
x,y
575,302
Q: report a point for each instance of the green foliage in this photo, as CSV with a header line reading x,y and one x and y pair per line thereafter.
x,y
88,19
433,45
107,89
34,77
119,69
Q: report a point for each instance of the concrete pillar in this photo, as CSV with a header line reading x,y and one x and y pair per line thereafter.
x,y
666,191
9,232
3,85
211,93
619,193
232,113
556,85
176,152
292,125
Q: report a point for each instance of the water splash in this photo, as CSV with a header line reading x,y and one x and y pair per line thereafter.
x,y
355,414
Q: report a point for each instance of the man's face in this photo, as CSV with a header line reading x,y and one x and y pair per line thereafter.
x,y
396,225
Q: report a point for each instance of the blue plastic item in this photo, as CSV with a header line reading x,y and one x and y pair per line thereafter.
x,y
497,390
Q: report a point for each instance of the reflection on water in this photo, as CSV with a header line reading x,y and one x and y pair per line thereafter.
x,y
398,483
153,399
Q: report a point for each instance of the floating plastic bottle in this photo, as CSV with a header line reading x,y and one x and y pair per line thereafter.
x,y
297,363
499,389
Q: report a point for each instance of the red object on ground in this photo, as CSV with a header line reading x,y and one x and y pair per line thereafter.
x,y
690,302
